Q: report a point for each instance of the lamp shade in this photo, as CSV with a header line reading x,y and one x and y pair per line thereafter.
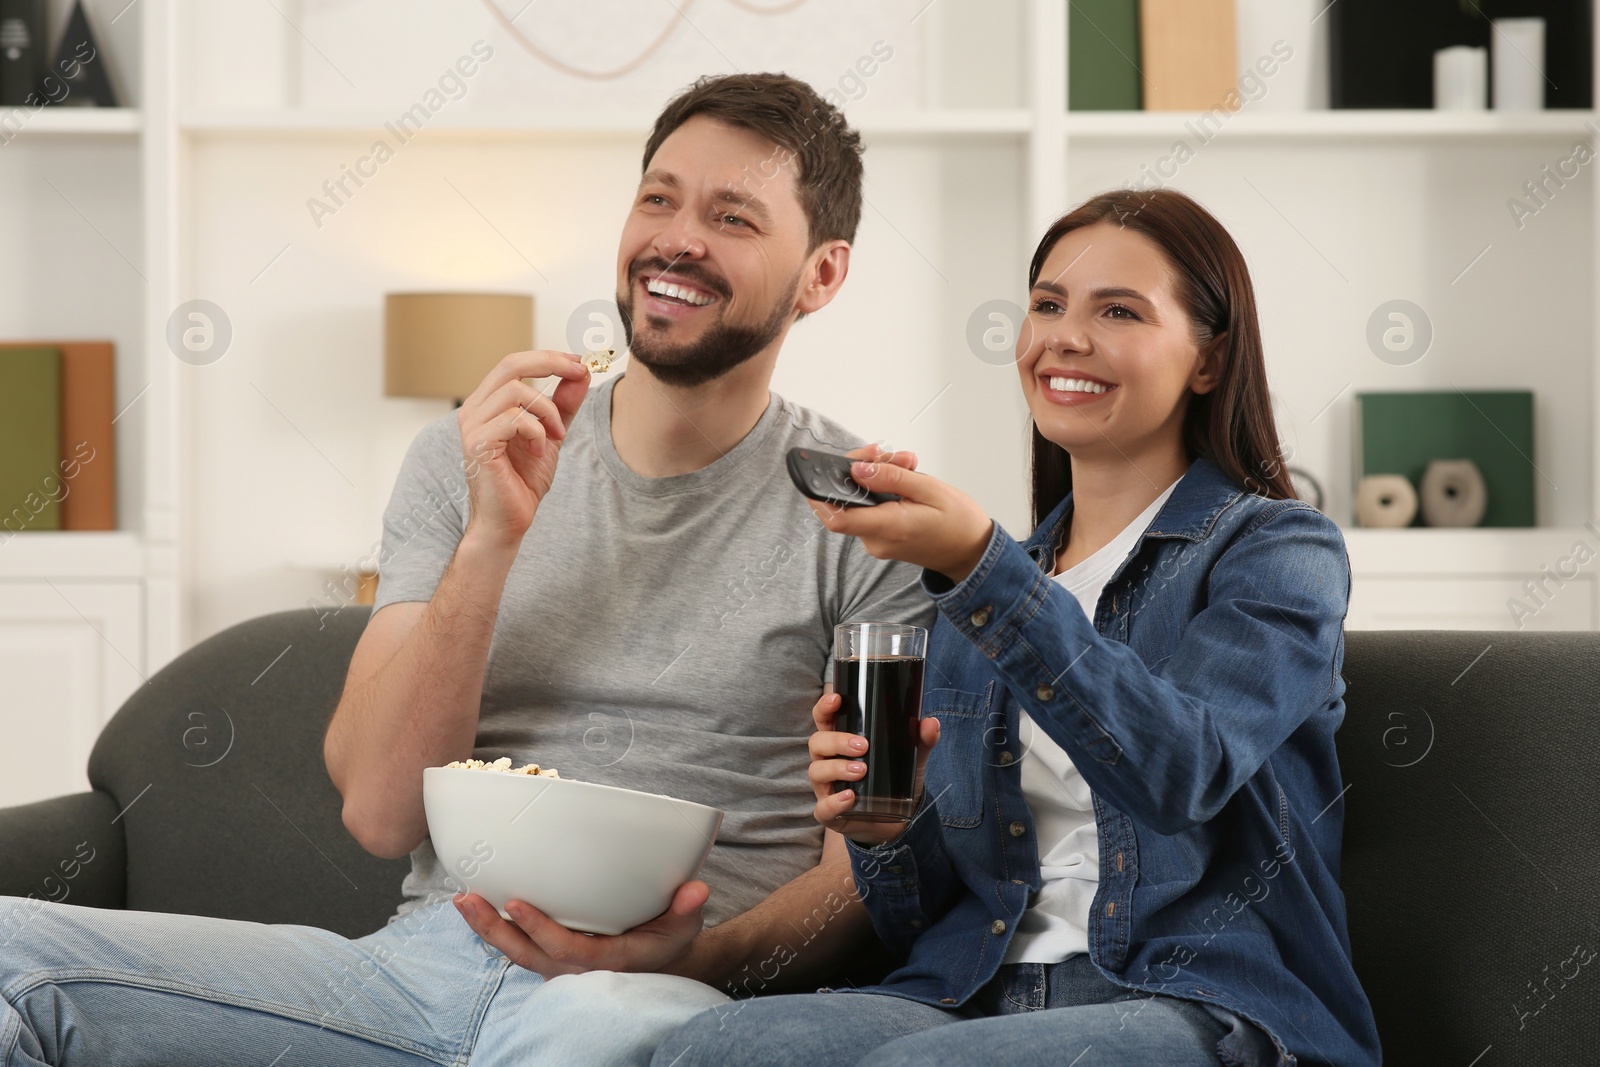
x,y
441,345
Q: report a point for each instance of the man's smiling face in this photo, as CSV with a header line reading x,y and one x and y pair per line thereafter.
x,y
712,253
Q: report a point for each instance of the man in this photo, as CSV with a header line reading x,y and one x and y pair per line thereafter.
x,y
618,583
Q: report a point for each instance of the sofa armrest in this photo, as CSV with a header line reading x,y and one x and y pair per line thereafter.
x,y
66,849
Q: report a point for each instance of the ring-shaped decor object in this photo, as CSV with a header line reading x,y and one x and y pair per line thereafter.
x,y
1453,493
1385,501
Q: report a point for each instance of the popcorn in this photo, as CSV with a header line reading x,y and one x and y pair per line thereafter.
x,y
599,361
503,765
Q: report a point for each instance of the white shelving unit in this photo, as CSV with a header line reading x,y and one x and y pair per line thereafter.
x,y
288,450
86,617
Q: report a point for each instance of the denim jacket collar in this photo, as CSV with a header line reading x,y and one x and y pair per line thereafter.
x,y
1203,492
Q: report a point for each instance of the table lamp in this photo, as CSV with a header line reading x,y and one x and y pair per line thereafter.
x,y
441,345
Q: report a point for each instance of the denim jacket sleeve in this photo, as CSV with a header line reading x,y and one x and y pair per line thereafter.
x,y
1170,746
906,885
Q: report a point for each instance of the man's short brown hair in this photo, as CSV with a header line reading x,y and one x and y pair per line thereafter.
x,y
790,114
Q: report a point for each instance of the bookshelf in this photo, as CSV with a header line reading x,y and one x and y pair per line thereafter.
x,y
86,617
232,475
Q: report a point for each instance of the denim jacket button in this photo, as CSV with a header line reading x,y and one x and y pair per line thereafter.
x,y
947,1000
998,926
1044,692
981,616
1006,759
1017,829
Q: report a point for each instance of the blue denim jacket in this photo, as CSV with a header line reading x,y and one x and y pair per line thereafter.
x,y
1200,707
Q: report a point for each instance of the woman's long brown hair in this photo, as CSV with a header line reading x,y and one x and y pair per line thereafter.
x,y
1232,425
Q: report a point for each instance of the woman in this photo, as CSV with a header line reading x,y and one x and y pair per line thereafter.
x,y
1127,843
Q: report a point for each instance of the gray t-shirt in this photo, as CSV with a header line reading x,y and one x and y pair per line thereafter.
x,y
662,634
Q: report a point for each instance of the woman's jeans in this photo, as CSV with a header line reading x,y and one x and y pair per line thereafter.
x,y
1060,1013
106,988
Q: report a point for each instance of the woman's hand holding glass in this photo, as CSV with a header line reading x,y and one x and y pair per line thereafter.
x,y
838,757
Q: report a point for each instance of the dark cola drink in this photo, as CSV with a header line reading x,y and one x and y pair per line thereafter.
x,y
881,699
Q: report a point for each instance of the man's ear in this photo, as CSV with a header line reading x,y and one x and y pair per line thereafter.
x,y
825,272
1208,372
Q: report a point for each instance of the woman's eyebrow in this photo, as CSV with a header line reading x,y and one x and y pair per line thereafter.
x,y
1099,294
1119,291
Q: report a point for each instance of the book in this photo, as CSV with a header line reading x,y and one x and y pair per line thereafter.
x,y
1103,55
88,439
1398,433
1380,52
1189,54
30,440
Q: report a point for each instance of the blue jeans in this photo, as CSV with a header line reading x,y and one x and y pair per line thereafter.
x,y
1030,1013
107,988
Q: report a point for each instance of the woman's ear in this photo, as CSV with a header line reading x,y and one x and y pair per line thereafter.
x,y
1208,369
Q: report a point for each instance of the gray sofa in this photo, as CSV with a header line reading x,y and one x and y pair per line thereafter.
x,y
1472,824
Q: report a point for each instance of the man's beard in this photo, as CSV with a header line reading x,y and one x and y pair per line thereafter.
x,y
719,350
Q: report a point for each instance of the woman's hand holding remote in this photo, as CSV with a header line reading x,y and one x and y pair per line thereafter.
x,y
932,525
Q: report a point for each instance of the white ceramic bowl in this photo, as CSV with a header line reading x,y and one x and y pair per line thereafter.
x,y
593,857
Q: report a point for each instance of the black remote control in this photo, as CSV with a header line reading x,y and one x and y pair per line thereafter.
x,y
825,476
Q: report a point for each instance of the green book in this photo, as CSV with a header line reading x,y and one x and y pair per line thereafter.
x,y
1399,433
1103,55
30,440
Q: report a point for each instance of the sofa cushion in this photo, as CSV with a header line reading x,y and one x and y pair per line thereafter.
x,y
1471,865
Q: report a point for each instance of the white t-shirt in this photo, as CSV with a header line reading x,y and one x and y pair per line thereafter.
x,y
1056,924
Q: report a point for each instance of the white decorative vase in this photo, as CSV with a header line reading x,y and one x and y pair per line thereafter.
x,y
1453,493
1385,501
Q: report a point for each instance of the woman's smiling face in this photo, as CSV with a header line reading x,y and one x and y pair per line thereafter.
x,y
1104,316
